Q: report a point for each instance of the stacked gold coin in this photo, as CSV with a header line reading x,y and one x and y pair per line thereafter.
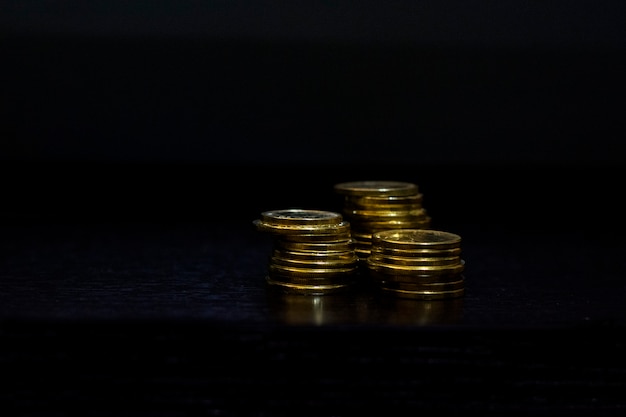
x,y
417,263
373,206
313,251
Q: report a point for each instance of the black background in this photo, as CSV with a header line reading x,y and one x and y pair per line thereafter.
x,y
139,142
113,109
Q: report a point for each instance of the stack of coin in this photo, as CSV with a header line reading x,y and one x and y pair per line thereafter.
x,y
313,251
373,206
417,263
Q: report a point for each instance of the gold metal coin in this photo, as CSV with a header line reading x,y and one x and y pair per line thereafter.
x,y
313,255
381,226
307,247
321,229
300,217
315,263
415,260
336,236
379,188
362,245
321,280
419,286
384,200
416,239
387,214
311,272
424,295
428,253
354,208
362,236
306,289
376,276
415,270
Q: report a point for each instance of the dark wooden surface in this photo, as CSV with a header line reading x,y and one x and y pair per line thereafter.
x,y
136,308
216,272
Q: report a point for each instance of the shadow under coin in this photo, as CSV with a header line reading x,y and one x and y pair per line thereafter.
x,y
405,311
303,309
362,308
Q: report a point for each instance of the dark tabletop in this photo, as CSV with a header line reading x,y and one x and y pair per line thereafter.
x,y
216,272
100,297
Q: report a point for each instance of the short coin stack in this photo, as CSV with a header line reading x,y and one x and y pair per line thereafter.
x,y
373,206
313,251
417,263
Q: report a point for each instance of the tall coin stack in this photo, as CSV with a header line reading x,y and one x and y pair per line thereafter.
x,y
313,251
417,263
373,206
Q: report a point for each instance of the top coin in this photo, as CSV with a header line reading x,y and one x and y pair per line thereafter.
x,y
376,188
416,239
301,217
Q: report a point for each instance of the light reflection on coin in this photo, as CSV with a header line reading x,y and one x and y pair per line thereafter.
x,y
416,239
387,201
319,229
414,260
300,217
376,188
346,245
307,289
424,295
394,269
428,253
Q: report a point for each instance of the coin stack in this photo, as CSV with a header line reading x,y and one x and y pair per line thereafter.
x,y
417,263
373,206
313,251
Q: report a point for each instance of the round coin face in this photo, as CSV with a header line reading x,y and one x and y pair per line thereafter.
x,y
294,216
376,188
416,238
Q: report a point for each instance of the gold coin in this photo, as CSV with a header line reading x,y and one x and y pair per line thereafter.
x,y
311,272
384,200
353,208
424,295
416,239
387,214
362,245
313,255
362,236
306,289
381,226
428,253
321,280
300,217
419,286
315,237
362,253
325,229
306,247
415,270
378,188
315,263
377,276
415,260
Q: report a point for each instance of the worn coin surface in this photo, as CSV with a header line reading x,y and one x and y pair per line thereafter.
x,y
300,217
376,188
416,239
